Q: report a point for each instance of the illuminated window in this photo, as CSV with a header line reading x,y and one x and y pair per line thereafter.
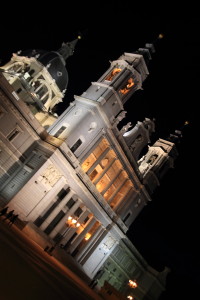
x,y
87,236
107,173
93,174
113,74
128,86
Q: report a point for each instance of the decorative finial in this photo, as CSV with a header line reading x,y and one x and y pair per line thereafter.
x,y
160,36
186,122
67,49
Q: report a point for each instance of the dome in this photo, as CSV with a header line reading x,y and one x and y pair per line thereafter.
x,y
55,64
54,61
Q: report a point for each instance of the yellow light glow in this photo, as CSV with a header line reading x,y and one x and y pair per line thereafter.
x,y
133,284
69,218
74,221
130,297
129,85
78,224
161,36
87,236
113,74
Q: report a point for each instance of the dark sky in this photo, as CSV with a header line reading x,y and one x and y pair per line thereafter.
x,y
166,232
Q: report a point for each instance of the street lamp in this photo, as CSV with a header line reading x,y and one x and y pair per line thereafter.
x,y
72,222
130,297
133,284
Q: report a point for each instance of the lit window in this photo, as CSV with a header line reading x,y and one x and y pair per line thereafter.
x,y
130,83
93,174
114,73
107,174
87,236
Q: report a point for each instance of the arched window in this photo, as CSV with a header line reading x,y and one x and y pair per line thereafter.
x,y
42,90
113,74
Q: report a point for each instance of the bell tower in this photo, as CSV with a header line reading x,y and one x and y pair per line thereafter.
x,y
119,82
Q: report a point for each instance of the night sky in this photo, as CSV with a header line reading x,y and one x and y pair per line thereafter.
x,y
167,230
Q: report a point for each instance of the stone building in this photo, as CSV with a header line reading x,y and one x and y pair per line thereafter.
x,y
77,180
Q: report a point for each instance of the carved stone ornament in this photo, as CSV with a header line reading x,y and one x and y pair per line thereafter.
x,y
51,175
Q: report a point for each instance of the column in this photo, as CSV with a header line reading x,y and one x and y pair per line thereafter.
x,y
99,159
71,230
111,182
117,190
125,196
96,243
60,227
104,171
81,236
50,218
91,241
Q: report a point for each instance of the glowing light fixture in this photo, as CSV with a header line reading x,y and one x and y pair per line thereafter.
x,y
71,222
132,284
87,236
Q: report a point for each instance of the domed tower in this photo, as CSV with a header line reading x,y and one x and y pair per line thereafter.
x,y
40,79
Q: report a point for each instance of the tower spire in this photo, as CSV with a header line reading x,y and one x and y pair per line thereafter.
x,y
149,49
67,49
178,134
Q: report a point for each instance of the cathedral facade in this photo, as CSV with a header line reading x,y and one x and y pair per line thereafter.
x,y
76,180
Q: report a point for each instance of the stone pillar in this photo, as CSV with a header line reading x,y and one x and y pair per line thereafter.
x,y
94,245
71,230
91,242
111,182
104,171
81,236
61,226
99,159
56,211
117,190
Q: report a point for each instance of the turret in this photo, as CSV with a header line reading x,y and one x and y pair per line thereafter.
x,y
158,160
139,136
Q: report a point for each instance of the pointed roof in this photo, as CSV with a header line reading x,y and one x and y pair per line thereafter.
x,y
67,49
149,49
55,61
